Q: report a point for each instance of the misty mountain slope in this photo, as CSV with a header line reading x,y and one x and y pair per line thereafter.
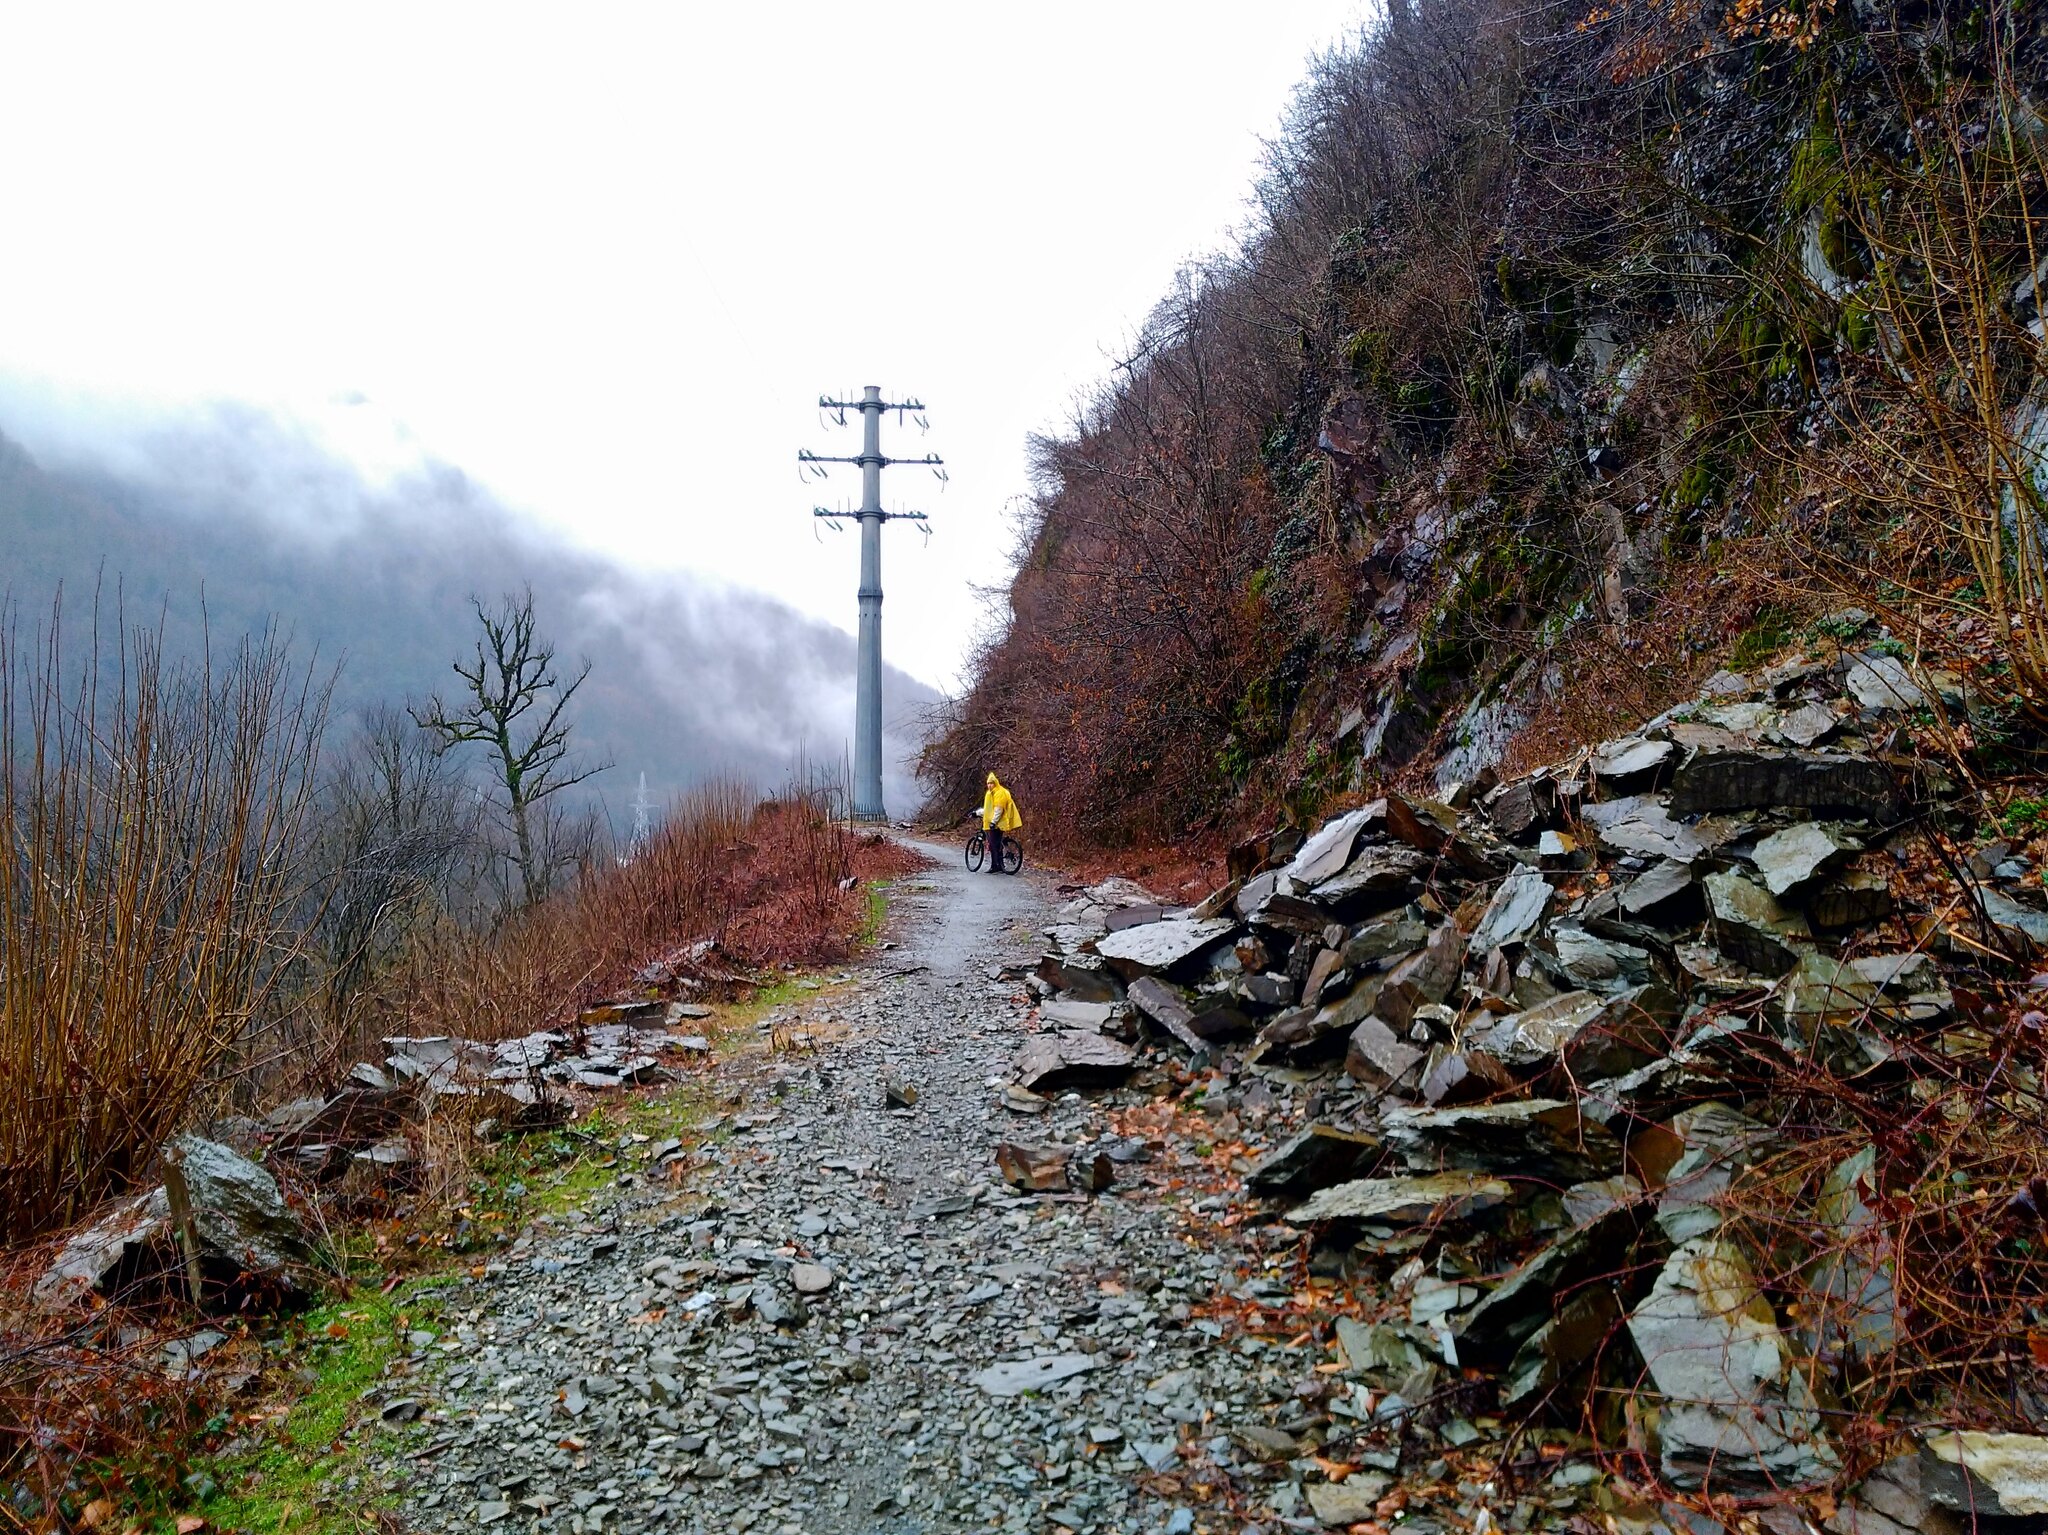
x,y
689,679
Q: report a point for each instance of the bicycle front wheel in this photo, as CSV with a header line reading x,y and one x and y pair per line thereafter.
x,y
977,850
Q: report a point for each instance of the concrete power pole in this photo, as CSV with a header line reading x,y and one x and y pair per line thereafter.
x,y
867,690
643,828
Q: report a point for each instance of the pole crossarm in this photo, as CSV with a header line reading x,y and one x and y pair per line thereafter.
x,y
867,693
832,515
929,461
828,404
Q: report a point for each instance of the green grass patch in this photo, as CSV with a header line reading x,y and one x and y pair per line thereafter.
x,y
874,915
557,1171
296,1481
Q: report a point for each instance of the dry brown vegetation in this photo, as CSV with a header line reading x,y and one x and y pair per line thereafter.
x,y
205,901
152,809
758,878
1196,557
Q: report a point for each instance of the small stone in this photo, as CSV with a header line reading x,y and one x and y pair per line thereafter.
x,y
1351,1501
1037,1168
1157,1454
810,1278
899,1092
1022,1100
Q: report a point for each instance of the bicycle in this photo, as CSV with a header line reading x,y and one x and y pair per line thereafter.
x,y
977,853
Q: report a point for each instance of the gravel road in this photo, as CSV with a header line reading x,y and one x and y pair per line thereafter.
x,y
841,1320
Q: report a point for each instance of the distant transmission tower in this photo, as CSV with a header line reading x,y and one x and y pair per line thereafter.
x,y
643,829
867,692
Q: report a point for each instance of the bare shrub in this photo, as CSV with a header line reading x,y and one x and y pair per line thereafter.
x,y
397,845
152,811
1942,414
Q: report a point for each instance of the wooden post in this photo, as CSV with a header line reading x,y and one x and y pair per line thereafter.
x,y
180,1197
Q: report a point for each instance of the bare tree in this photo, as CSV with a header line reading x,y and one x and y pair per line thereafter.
x,y
399,829
513,703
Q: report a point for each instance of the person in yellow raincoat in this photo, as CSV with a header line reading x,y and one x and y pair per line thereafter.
x,y
998,815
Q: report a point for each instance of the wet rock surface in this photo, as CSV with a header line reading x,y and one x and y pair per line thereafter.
x,y
230,1217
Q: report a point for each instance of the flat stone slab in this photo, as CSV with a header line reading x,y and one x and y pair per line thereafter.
x,y
1883,683
1405,1201
1329,850
1630,759
1072,1060
1999,1474
1019,1376
1534,1138
1750,926
1167,1008
1794,858
1736,1412
1314,1158
1753,778
1517,906
1159,946
1383,873
1085,1016
1666,880
1641,826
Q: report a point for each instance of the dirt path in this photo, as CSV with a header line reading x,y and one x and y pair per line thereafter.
x,y
655,1366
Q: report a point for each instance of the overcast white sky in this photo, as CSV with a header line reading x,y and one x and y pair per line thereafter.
x,y
605,257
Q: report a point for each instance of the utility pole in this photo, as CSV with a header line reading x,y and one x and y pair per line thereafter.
x,y
643,827
867,689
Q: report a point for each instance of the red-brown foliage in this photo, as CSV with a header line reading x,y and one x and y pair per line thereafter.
x,y
760,879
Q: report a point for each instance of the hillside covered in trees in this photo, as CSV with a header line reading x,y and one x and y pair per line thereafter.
x,y
1574,351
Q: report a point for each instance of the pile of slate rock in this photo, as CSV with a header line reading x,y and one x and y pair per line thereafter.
x,y
1514,1016
503,1084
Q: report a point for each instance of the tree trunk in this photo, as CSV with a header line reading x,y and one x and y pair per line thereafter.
x,y
528,875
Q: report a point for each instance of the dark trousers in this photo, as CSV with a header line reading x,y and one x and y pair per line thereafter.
x,y
995,850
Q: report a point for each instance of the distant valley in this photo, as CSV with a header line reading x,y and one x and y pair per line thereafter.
x,y
689,679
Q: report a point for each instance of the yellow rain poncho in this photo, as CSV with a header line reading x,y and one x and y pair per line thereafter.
x,y
999,808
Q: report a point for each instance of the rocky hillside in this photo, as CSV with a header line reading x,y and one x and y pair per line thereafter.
x,y
1576,352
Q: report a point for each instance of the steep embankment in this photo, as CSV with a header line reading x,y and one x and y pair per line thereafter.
x,y
1574,351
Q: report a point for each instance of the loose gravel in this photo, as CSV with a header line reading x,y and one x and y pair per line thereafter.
x,y
843,1321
